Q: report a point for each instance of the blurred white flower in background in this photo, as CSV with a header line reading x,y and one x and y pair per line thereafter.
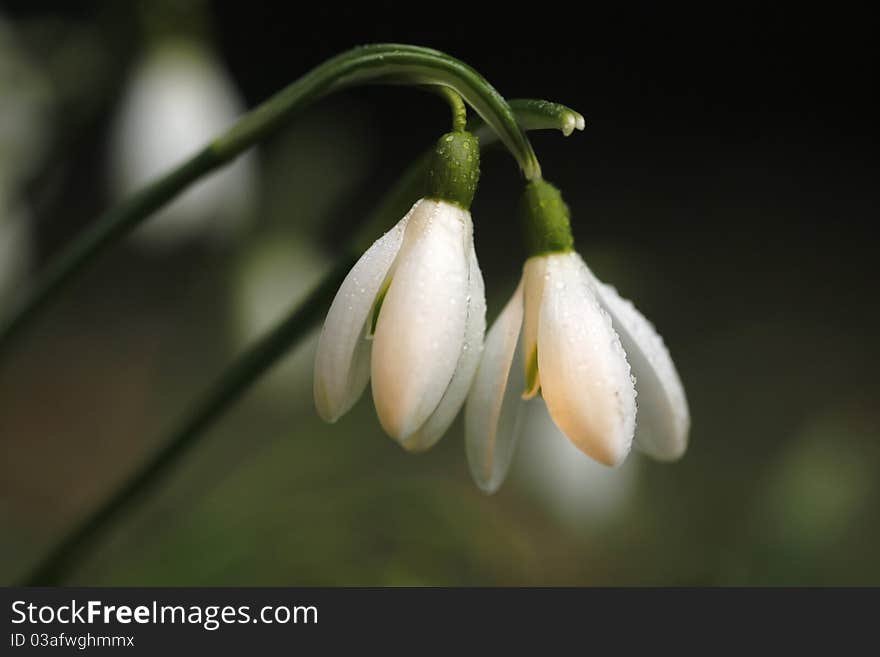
x,y
179,97
274,277
579,492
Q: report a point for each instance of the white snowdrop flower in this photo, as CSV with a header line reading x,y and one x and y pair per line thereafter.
x,y
577,343
179,97
411,313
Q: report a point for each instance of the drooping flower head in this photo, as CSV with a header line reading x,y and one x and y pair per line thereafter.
x,y
410,316
572,339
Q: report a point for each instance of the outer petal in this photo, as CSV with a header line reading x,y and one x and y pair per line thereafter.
x,y
493,415
342,362
420,332
455,394
663,417
585,378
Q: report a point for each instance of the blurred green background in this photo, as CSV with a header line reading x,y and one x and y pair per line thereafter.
x,y
730,192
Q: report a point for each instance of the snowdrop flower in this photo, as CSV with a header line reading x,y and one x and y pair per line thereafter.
x,y
179,98
411,313
572,339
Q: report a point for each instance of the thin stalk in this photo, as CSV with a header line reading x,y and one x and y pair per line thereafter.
x,y
457,106
394,63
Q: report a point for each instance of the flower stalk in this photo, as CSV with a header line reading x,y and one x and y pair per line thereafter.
x,y
459,109
382,63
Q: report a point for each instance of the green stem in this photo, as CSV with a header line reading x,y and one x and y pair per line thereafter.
x,y
231,385
459,109
391,63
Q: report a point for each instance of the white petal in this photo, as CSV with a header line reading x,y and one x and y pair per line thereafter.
x,y
342,362
585,378
663,416
493,414
534,278
455,394
420,332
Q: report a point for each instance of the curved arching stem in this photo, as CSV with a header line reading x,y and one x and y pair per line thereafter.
x,y
391,63
456,105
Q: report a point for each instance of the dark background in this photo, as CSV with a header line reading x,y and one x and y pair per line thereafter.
x,y
726,182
